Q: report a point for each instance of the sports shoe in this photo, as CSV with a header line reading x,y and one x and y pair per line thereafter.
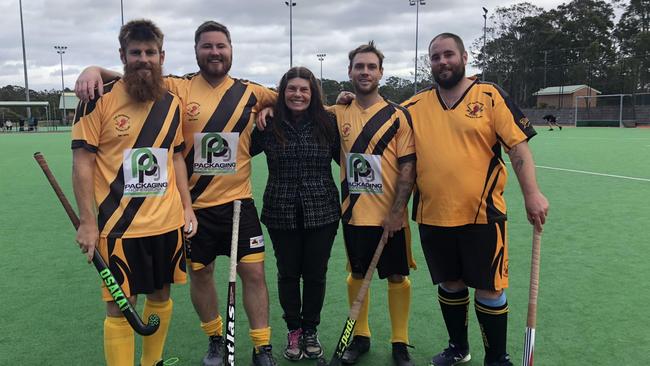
x,y
311,346
214,356
263,356
550,129
504,360
168,362
560,128
358,346
401,354
451,356
293,352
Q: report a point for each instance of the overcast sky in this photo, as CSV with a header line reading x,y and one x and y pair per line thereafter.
x,y
259,29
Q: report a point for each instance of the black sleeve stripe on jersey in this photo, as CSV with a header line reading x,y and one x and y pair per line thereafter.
x,y
411,104
173,128
240,126
76,144
406,158
492,213
85,108
518,116
150,130
416,202
218,121
407,114
379,149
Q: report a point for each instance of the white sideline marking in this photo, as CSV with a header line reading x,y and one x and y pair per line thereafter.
x,y
592,173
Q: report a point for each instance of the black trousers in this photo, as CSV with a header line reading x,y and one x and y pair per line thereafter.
x,y
302,253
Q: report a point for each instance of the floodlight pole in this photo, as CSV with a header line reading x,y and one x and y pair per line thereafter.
x,y
22,36
122,10
290,4
485,11
321,57
417,4
61,50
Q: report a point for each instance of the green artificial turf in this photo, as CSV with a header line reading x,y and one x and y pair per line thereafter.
x,y
593,283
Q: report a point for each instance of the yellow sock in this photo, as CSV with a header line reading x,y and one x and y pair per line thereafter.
x,y
213,327
260,337
119,342
152,346
362,328
399,303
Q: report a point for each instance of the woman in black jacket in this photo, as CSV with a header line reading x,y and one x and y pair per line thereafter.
x,y
301,205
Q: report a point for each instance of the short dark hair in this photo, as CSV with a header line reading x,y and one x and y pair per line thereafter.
x,y
364,48
140,30
211,26
456,38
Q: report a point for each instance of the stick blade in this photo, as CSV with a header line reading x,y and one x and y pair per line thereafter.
x,y
529,347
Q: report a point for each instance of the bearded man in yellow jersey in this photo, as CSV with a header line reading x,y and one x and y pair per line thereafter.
x,y
377,173
460,127
128,165
218,115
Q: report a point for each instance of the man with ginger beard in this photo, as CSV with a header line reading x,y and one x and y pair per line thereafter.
x,y
217,107
128,167
460,126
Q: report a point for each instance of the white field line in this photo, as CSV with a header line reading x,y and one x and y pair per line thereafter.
x,y
592,173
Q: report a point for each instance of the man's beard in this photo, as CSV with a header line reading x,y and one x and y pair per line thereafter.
x,y
146,88
360,90
457,74
206,69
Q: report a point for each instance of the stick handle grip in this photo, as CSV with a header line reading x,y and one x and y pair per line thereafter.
x,y
534,279
234,240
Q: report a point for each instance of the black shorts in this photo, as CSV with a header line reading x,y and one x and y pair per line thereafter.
x,y
361,242
476,254
143,265
215,234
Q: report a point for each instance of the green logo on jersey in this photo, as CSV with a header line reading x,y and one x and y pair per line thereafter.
x,y
144,162
213,145
359,167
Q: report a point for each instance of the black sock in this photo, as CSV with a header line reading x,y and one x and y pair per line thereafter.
x,y
455,306
494,328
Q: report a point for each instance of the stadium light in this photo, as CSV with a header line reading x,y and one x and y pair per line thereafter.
x,y
61,50
417,4
485,11
22,36
290,4
321,57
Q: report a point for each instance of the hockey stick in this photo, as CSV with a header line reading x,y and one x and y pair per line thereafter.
x,y
232,281
346,335
529,340
104,272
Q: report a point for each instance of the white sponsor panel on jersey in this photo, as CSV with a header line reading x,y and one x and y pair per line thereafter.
x,y
215,153
363,172
145,171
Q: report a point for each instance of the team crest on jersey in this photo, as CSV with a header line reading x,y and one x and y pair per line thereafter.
x,y
524,122
474,110
256,242
215,153
192,110
122,122
363,173
345,130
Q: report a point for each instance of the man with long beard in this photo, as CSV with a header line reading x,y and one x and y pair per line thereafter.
x,y
377,173
128,165
460,127
218,110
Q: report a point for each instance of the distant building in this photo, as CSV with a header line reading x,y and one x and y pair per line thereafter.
x,y
71,102
565,96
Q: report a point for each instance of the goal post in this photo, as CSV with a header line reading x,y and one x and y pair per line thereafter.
x,y
610,110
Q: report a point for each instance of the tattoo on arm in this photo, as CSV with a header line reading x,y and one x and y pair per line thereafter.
x,y
516,159
404,185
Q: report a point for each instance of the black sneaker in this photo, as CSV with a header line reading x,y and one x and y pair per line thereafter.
x,y
311,346
168,362
263,356
451,356
560,128
401,354
214,356
504,360
358,346
550,129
